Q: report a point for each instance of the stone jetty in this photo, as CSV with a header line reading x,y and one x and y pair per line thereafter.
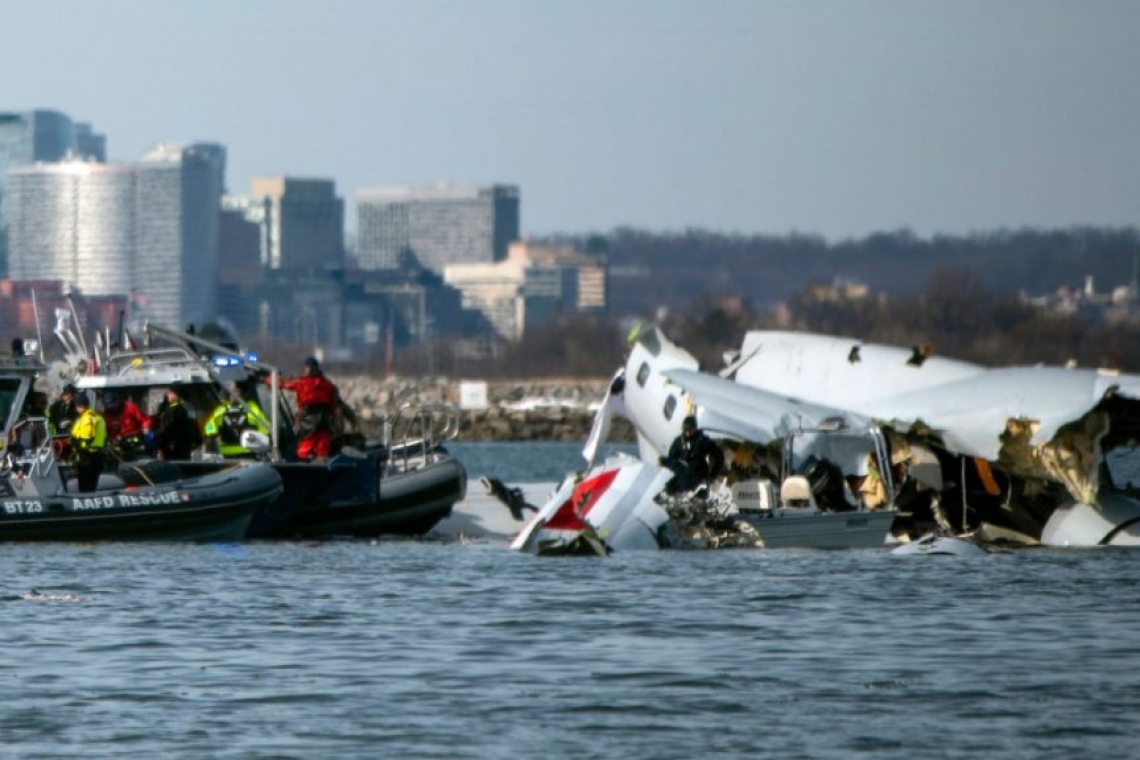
x,y
550,409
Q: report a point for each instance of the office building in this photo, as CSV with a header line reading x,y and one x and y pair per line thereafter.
x,y
533,285
28,137
436,226
302,222
73,221
179,188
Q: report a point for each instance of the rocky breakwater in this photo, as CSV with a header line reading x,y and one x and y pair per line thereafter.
x,y
551,409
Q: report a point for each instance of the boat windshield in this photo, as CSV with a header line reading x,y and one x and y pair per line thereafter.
x,y
9,392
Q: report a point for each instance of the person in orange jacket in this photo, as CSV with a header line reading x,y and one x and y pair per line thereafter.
x,y
318,399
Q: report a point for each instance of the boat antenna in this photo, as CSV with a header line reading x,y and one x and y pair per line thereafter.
x,y
79,327
36,316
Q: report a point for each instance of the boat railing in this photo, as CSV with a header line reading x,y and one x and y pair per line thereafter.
x,y
415,430
32,453
128,362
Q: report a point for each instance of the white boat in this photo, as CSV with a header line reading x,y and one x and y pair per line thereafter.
x,y
796,521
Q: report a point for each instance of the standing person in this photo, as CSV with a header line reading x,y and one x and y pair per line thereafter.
x,y
318,399
126,425
176,435
694,458
88,436
62,412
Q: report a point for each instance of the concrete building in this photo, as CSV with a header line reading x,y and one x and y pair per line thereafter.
x,y
534,284
440,225
303,222
176,270
590,288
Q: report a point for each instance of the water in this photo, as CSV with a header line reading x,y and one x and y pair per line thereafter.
x,y
425,649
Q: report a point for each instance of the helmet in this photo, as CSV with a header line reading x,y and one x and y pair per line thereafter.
x,y
82,399
312,363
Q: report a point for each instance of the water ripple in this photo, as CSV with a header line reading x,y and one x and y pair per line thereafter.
x,y
360,649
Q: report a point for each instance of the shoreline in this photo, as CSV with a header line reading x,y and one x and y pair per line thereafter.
x,y
550,409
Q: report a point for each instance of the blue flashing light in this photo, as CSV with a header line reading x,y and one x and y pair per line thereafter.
x,y
252,356
227,361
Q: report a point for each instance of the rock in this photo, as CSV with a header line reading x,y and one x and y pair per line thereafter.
x,y
535,410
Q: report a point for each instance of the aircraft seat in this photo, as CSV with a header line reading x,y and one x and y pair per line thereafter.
x,y
795,491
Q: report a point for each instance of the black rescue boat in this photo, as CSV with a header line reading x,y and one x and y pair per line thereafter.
x,y
39,500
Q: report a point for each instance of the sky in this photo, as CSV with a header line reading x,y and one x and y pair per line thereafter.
x,y
837,118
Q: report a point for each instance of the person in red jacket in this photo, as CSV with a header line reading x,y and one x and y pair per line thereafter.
x,y
318,399
126,425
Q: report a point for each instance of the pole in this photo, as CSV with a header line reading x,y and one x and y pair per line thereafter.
x,y
36,316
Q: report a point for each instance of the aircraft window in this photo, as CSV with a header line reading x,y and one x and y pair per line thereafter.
x,y
670,406
642,374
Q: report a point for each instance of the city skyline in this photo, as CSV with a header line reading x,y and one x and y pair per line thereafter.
x,y
839,119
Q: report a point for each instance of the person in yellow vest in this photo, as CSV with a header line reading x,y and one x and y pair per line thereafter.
x,y
88,437
224,428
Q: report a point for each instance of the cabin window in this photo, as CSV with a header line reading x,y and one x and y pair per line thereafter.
x,y
643,374
670,406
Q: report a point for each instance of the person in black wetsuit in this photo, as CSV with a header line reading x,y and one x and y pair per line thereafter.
x,y
694,458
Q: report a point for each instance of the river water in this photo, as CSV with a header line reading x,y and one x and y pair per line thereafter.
x,y
425,649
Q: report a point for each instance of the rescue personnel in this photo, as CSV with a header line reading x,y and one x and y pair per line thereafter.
x,y
224,427
126,425
176,435
62,412
88,437
318,400
694,458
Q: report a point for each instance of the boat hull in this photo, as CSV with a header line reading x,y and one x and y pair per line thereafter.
x,y
211,507
787,528
355,497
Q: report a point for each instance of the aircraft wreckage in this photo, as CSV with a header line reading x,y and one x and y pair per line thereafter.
x,y
832,442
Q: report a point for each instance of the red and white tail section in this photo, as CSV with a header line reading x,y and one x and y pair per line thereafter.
x,y
613,502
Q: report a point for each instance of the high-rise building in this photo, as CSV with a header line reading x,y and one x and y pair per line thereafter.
x,y
446,224
73,221
27,137
179,189
303,224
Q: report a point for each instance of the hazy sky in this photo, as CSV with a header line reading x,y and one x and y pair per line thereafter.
x,y
752,116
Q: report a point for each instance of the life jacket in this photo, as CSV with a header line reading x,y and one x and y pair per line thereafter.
x,y
227,422
89,432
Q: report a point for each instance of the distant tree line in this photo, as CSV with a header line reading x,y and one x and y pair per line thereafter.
x,y
961,295
651,271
